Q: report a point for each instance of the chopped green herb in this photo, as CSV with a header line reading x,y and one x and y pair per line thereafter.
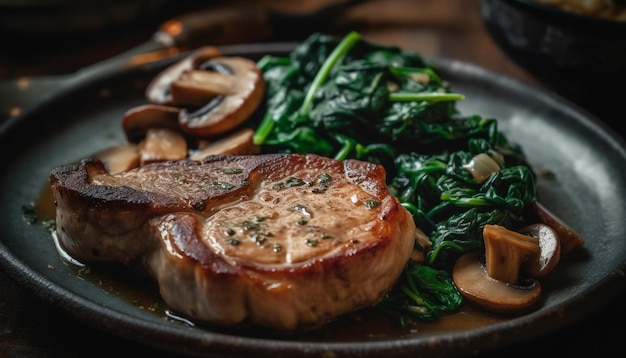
x,y
371,203
233,170
322,183
200,206
288,183
324,178
50,225
233,242
29,213
311,242
319,189
222,185
260,240
251,225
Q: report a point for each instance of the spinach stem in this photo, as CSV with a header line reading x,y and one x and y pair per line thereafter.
x,y
265,128
429,97
344,151
344,46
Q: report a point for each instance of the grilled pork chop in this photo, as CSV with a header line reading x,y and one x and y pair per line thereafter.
x,y
277,240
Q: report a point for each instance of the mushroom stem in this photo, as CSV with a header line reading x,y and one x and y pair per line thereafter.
x,y
506,251
138,120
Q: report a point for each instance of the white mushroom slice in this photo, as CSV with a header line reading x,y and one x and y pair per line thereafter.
x,y
238,143
470,277
550,249
569,239
119,158
158,90
506,251
138,120
224,113
161,145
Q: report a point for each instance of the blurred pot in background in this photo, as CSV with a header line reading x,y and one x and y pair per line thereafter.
x,y
577,54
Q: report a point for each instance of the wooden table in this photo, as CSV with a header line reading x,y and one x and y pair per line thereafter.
x,y
450,29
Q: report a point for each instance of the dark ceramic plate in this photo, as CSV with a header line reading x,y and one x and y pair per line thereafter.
x,y
582,179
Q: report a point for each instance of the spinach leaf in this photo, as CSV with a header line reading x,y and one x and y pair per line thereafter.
x,y
422,292
353,91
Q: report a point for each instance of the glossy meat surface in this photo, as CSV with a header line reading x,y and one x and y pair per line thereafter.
x,y
279,240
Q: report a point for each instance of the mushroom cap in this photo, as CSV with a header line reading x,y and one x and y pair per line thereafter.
x,y
569,239
243,93
138,120
550,246
158,90
237,143
470,277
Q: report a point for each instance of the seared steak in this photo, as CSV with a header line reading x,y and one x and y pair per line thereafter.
x,y
277,240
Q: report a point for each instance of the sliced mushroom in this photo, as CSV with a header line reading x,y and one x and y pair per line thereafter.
x,y
197,88
161,145
238,143
470,277
138,120
119,158
550,250
570,240
220,114
506,251
158,90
